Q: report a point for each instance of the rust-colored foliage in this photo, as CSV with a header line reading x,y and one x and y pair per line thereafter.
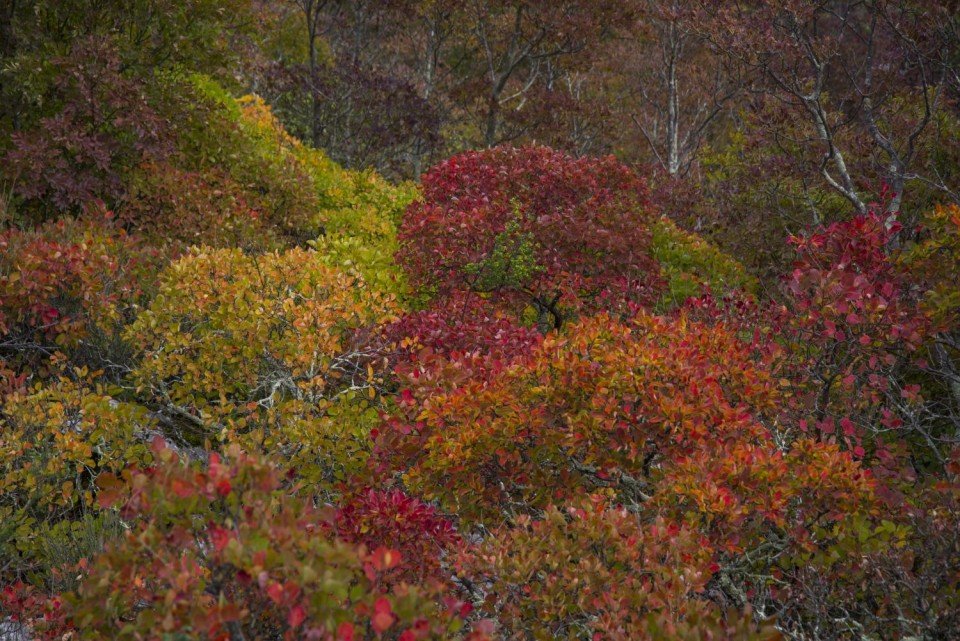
x,y
659,412
595,570
178,208
64,280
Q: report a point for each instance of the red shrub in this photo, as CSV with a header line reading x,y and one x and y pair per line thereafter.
x,y
227,551
183,208
458,324
858,325
396,521
533,227
62,279
104,126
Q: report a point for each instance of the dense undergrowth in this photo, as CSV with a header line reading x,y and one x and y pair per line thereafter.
x,y
250,394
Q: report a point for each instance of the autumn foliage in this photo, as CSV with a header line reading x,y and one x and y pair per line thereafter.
x,y
533,227
247,393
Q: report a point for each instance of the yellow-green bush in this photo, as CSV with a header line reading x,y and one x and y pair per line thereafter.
x,y
358,211
55,441
278,351
688,261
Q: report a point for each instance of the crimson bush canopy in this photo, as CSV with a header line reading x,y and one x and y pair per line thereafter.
x,y
532,226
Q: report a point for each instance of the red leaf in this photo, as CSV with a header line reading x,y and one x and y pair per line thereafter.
x,y
382,615
182,489
220,537
385,559
224,487
296,616
848,426
345,631
275,592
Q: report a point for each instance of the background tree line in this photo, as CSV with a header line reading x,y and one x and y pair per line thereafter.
x,y
770,115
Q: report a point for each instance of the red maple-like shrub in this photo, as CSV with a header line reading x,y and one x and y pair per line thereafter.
x,y
536,228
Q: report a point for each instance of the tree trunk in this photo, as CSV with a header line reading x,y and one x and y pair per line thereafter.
x,y
490,132
673,107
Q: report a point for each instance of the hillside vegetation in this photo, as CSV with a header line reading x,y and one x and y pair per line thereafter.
x,y
251,392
